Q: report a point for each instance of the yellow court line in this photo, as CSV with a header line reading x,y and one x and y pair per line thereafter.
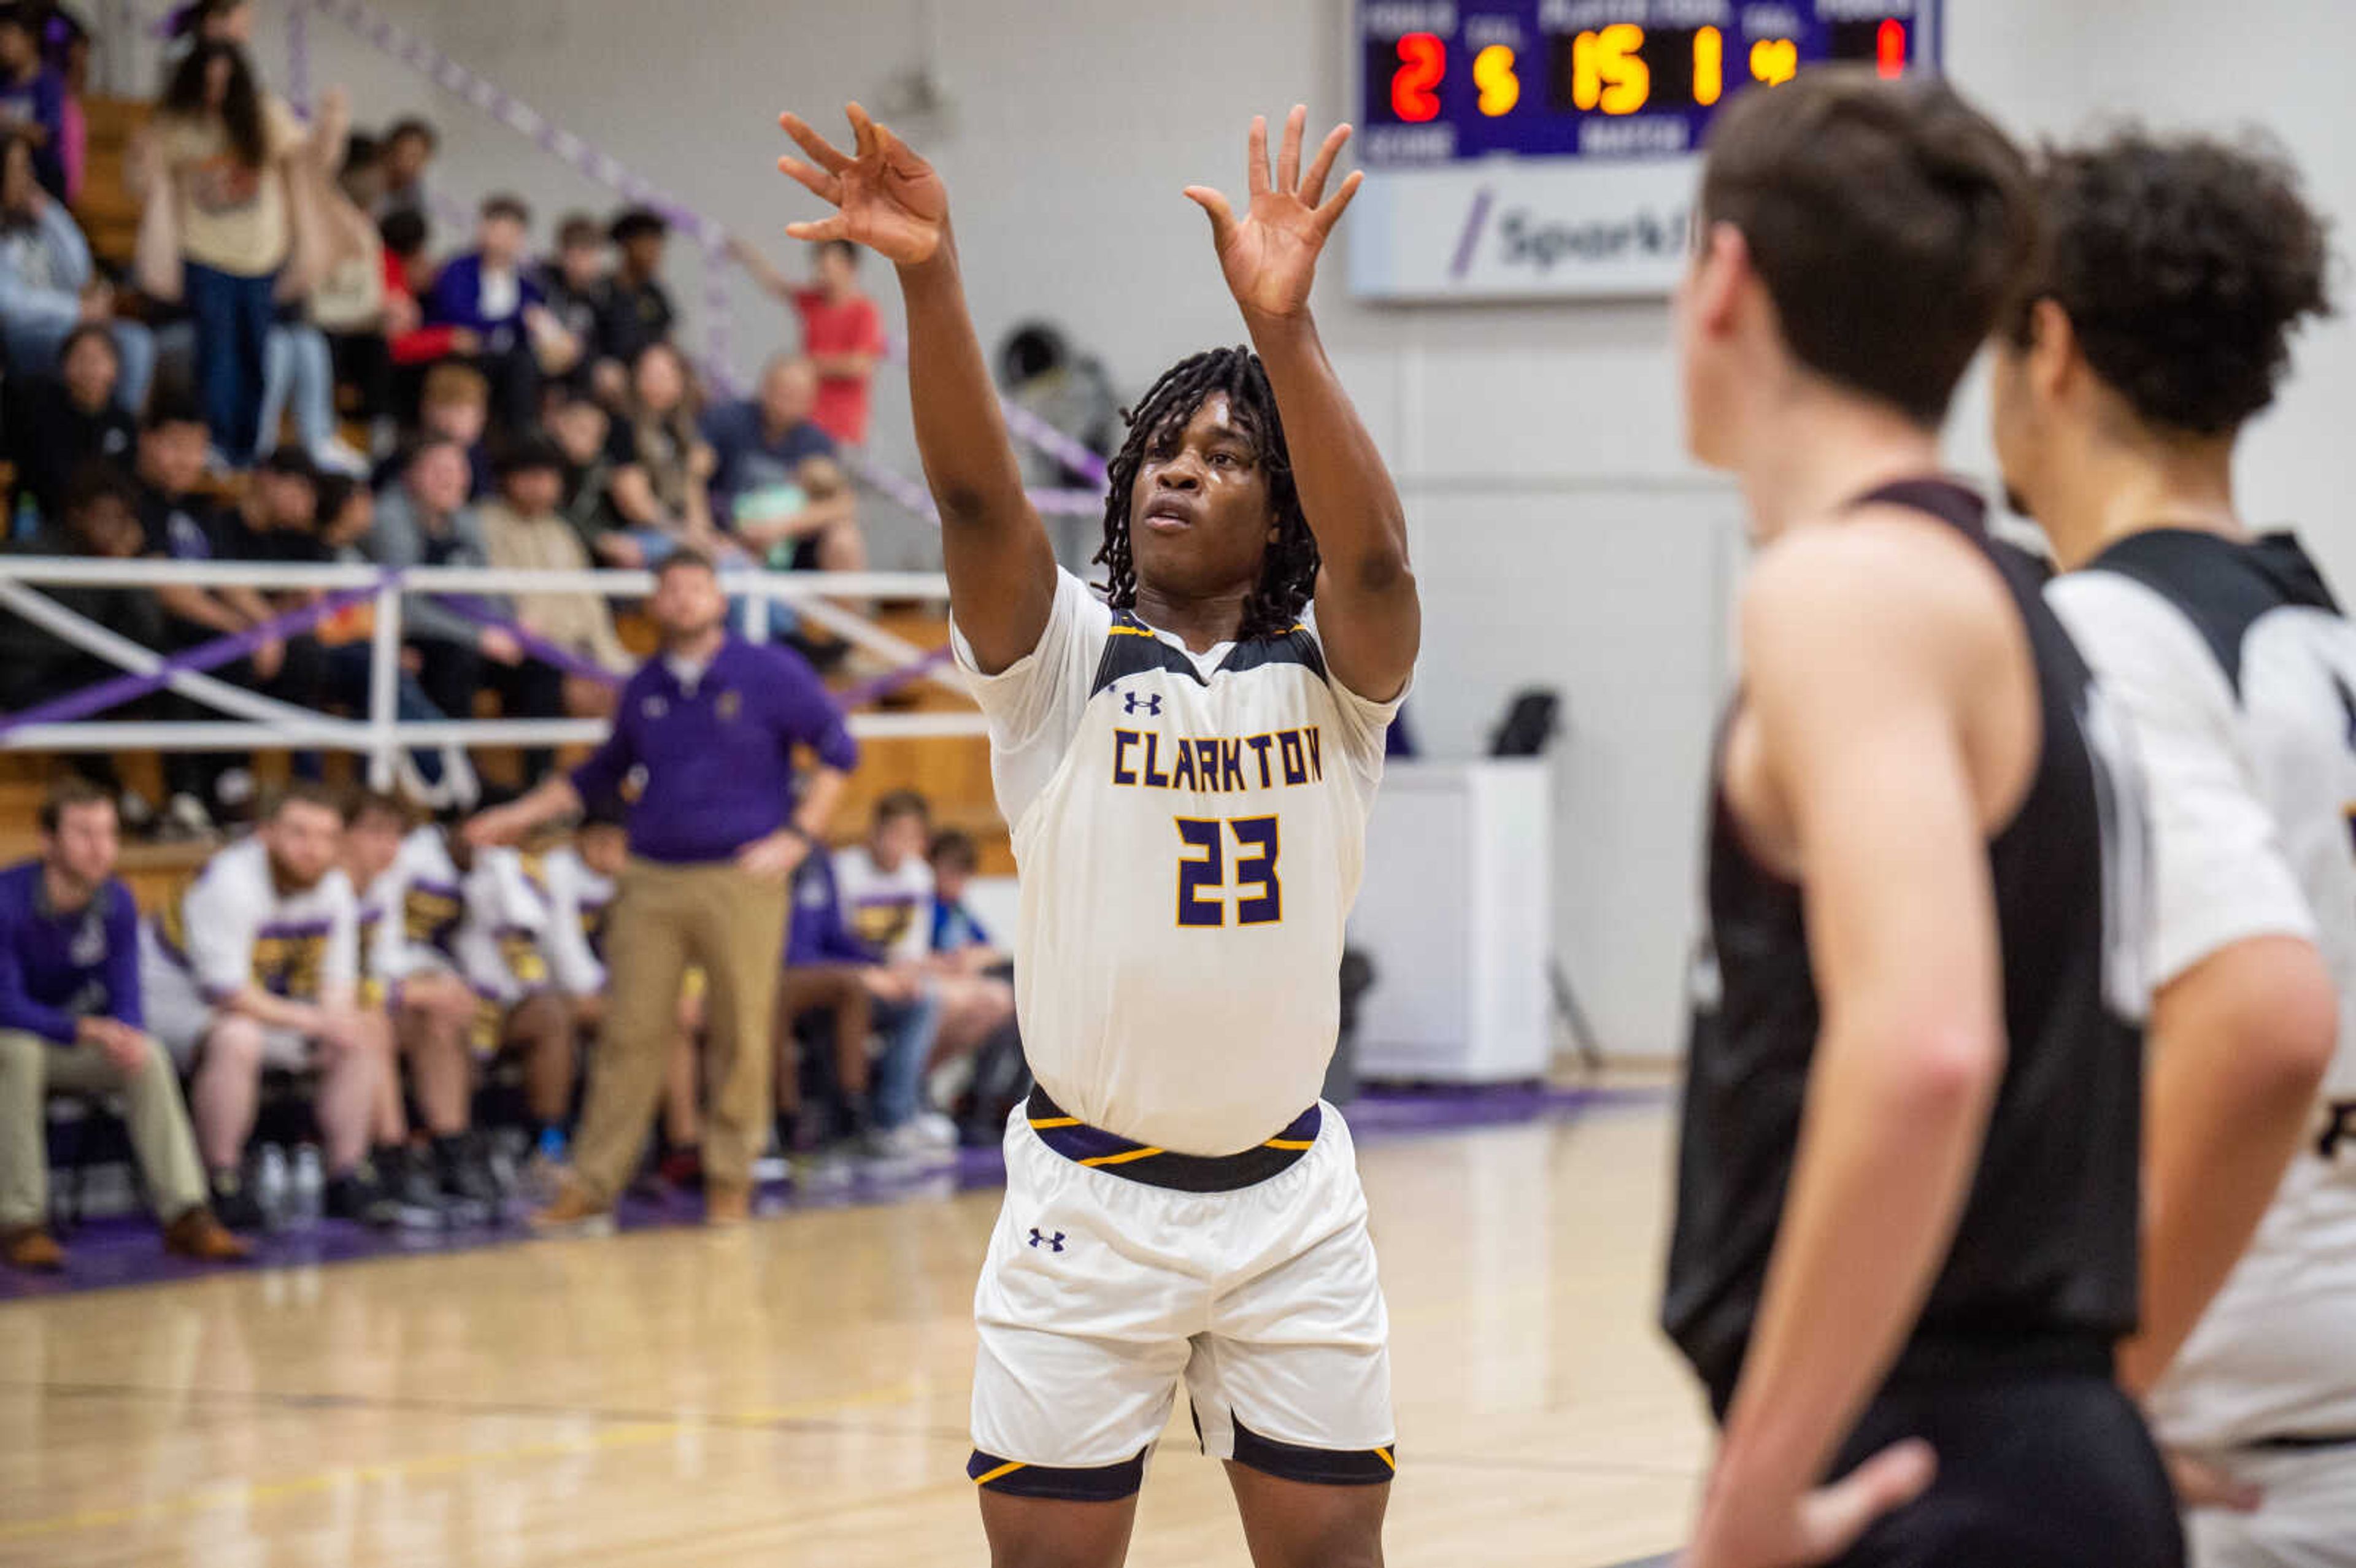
x,y
247,1494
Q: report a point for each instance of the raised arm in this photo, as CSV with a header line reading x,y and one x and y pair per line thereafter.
x,y
1368,613
1002,567
1858,708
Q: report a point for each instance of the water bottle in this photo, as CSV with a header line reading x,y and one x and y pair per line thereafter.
x,y
310,1184
270,1185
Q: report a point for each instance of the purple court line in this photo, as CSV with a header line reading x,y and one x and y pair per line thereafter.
x,y
124,1250
121,688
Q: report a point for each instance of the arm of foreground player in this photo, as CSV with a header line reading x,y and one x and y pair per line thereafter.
x,y
1857,713
2238,1045
1002,567
1368,613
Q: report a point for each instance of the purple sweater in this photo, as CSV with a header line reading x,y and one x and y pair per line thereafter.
x,y
56,970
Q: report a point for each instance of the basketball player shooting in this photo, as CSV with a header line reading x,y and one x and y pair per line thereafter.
x,y
1188,763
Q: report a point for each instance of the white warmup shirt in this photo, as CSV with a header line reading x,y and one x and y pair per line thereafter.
x,y
2239,674
1191,830
485,925
232,928
578,902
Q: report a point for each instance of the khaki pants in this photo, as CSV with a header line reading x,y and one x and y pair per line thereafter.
x,y
665,920
31,1069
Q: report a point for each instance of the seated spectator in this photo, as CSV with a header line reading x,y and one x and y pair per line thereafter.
x,y
48,289
581,426
71,1022
576,284
98,518
256,965
408,279
661,465
454,405
971,972
760,489
638,312
434,777
32,96
523,529
842,332
56,425
277,518
489,293
886,890
409,148
221,151
841,989
460,950
425,521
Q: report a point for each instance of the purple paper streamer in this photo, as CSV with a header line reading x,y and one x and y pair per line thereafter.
x,y
122,687
298,57
539,647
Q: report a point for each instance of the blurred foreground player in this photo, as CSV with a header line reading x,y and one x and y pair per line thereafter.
x,y
2171,276
1905,1237
1188,764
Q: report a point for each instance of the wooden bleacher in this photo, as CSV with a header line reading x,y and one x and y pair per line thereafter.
x,y
108,215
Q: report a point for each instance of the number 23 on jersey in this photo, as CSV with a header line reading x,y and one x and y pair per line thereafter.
x,y
1213,879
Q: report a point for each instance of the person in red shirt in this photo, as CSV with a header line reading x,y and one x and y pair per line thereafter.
x,y
842,332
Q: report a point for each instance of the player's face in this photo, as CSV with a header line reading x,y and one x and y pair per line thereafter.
x,y
370,846
84,844
303,841
1200,520
688,603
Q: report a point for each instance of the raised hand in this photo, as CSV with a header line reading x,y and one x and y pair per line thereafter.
x,y
886,197
1270,256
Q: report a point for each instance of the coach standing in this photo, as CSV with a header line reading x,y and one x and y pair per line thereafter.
x,y
706,731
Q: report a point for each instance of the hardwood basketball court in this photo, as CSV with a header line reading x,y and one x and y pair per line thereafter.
x,y
794,1391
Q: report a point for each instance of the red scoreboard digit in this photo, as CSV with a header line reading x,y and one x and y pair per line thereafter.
x,y
1422,63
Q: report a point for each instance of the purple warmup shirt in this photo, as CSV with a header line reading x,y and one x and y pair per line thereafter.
x,y
715,763
58,969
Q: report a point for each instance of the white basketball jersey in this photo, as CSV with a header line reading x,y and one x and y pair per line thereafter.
x,y
1190,830
2240,673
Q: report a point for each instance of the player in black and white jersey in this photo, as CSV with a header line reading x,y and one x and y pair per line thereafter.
x,y
1188,762
2172,274
1905,1236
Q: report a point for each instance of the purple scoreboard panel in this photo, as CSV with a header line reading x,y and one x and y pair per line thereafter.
x,y
1521,149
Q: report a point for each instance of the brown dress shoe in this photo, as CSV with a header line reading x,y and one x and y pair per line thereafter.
x,y
573,1212
196,1234
726,1202
30,1247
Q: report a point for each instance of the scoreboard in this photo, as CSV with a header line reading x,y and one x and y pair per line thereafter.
x,y
1519,149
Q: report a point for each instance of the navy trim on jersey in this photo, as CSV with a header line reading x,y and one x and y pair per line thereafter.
x,y
1100,1484
1098,1150
1314,1467
2222,586
1133,648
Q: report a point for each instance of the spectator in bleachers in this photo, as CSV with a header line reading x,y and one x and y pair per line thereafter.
x,y
842,331
409,148
408,277
32,96
96,518
216,22
350,304
886,890
430,775
221,152
525,530
970,971
842,989
59,425
638,311
762,481
581,426
48,289
256,965
71,1022
710,726
425,521
454,405
663,467
575,282
489,292
277,518
461,952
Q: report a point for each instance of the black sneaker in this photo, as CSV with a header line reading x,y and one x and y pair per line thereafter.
x,y
416,1189
355,1195
235,1206
469,1191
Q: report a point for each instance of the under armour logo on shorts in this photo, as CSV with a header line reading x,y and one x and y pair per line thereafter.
x,y
1040,1240
1151,704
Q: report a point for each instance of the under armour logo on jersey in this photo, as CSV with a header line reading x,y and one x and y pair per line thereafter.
x,y
1038,1239
1148,705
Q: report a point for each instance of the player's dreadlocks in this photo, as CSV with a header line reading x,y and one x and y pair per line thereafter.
x,y
1290,575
